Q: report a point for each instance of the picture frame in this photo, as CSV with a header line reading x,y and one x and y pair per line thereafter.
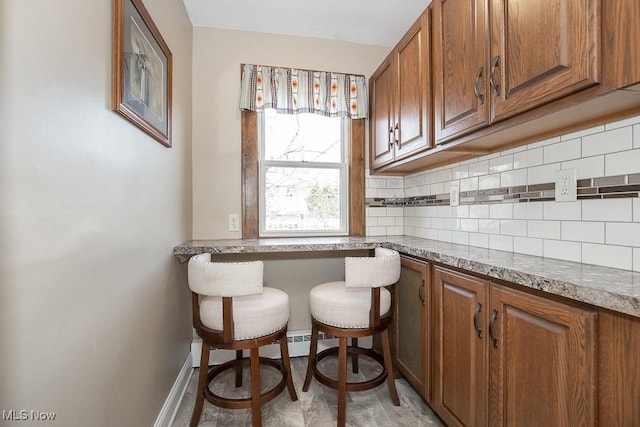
x,y
141,70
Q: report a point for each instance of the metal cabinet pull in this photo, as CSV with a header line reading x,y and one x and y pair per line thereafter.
x,y
492,76
494,316
396,131
475,86
421,292
475,320
389,137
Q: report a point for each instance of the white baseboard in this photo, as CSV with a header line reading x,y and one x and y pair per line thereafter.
x,y
299,342
172,403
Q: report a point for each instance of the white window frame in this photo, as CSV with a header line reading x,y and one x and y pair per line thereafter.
x,y
342,167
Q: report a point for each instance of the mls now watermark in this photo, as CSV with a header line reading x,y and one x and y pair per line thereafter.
x,y
27,415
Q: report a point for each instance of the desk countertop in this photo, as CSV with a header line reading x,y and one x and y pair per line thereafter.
x,y
610,288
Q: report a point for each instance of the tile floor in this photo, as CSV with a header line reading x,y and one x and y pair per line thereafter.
x,y
317,407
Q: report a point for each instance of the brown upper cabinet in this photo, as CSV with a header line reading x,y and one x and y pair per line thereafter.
x,y
503,73
496,58
399,98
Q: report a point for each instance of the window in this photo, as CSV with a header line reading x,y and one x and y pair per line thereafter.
x,y
303,174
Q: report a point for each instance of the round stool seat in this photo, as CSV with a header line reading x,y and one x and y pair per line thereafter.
x,y
336,305
254,316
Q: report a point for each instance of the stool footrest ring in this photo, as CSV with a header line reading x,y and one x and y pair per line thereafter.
x,y
241,403
351,386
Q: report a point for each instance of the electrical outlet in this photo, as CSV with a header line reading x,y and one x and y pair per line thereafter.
x,y
566,190
454,195
234,222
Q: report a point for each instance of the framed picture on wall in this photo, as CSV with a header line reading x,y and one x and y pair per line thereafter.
x,y
141,74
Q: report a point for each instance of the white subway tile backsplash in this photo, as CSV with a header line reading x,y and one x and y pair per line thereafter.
x,y
376,231
544,142
561,151
386,193
604,231
444,235
395,231
626,162
479,168
607,142
568,251
437,223
491,226
607,255
501,211
394,183
583,132
623,234
606,210
396,211
479,211
542,174
469,184
513,227
563,210
489,181
501,164
452,224
528,158
461,211
543,229
591,232
513,178
460,237
460,172
386,221
589,167
501,243
443,175
469,224
430,178
527,245
432,233
479,240
527,210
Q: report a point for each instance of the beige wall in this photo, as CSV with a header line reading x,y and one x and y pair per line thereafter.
x,y
217,55
94,310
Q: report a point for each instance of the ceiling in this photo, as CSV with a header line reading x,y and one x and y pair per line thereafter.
x,y
376,22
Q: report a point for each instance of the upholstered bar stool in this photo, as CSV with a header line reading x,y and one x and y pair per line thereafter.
x,y
232,310
358,307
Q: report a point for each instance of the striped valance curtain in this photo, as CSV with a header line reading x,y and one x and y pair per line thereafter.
x,y
294,91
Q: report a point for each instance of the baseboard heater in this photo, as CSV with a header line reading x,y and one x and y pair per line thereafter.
x,y
298,341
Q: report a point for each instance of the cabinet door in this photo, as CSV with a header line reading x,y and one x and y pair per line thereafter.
x,y
460,387
412,65
543,370
412,333
381,114
461,47
541,51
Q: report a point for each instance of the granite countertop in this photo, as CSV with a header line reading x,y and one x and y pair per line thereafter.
x,y
610,288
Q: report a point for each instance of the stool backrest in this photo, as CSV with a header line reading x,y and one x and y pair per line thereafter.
x,y
224,279
383,269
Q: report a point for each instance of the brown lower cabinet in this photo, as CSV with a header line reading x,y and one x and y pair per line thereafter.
x,y
507,357
412,341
